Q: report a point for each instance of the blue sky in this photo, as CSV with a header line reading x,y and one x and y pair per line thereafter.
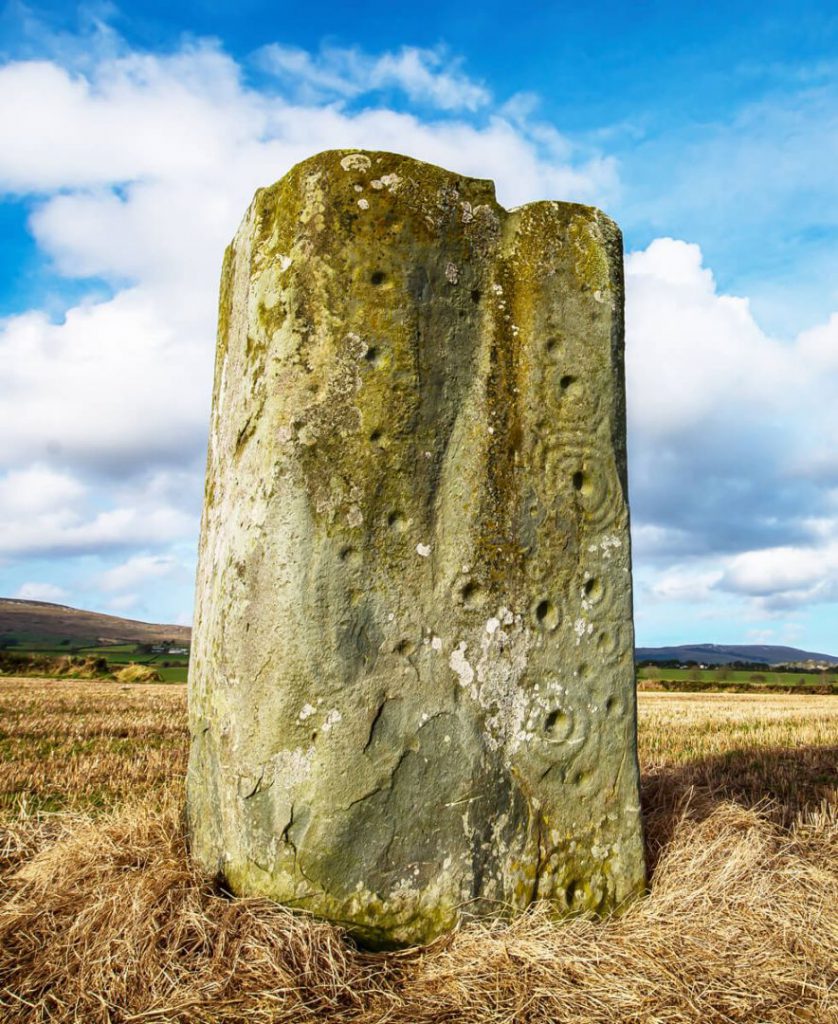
x,y
131,140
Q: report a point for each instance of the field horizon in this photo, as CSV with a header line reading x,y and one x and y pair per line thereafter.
x,y
39,638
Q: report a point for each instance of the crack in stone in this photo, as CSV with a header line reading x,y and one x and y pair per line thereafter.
x,y
258,787
373,724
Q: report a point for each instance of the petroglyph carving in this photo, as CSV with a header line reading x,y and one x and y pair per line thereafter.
x,y
411,689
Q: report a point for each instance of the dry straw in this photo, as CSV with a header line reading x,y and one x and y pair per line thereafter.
x,y
104,920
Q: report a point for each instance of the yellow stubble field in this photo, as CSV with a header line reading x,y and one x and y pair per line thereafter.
x,y
102,917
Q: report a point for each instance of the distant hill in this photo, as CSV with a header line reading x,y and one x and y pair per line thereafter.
x,y
724,654
41,623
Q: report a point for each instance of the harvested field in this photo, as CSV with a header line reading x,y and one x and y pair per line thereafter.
x,y
103,920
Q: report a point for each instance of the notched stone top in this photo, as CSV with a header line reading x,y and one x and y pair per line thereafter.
x,y
359,184
411,688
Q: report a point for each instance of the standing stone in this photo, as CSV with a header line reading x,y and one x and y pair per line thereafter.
x,y
412,680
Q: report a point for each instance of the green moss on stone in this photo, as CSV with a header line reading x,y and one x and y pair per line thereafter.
x,y
414,475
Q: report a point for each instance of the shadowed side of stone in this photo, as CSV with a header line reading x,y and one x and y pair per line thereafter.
x,y
411,687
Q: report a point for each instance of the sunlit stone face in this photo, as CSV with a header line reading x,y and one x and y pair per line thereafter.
x,y
412,684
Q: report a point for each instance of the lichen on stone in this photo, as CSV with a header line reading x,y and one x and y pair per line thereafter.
x,y
413,620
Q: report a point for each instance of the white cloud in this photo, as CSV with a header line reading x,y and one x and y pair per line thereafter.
x,y
732,437
138,569
133,117
66,532
683,583
41,592
818,346
114,385
45,513
730,428
426,76
693,353
785,577
35,490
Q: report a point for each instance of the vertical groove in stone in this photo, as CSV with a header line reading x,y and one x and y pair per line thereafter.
x,y
412,682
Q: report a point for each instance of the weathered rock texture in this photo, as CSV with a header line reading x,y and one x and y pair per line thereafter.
x,y
412,688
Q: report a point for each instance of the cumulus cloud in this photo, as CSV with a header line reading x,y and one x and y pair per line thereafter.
x,y
731,437
680,583
130,117
37,489
67,532
49,513
723,418
695,353
115,386
785,577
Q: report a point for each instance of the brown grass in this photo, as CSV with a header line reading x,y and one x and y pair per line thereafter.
x,y
104,920
81,745
134,673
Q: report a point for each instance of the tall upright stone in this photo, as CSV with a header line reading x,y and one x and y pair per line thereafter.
x,y
412,682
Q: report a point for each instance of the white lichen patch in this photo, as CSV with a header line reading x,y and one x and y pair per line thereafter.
x,y
354,516
608,544
460,665
378,184
436,643
284,263
423,549
331,720
452,273
356,162
306,712
390,181
493,682
364,204
582,628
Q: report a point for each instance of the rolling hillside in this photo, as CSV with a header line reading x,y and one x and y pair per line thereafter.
x,y
724,654
39,623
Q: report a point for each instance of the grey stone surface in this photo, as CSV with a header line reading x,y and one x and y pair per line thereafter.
x,y
412,684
